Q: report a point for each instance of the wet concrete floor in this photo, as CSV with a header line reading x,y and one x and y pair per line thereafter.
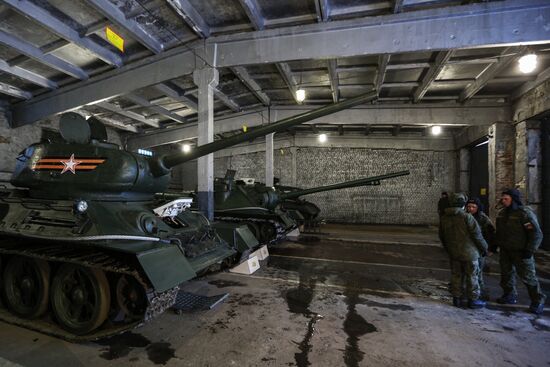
x,y
322,301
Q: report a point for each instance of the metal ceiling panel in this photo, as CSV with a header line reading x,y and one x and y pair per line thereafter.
x,y
348,77
220,13
166,25
405,71
20,83
412,57
76,10
7,53
286,8
396,76
76,56
397,92
25,29
451,89
477,52
42,70
462,71
497,88
358,60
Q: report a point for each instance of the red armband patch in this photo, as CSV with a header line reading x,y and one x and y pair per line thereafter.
x,y
529,226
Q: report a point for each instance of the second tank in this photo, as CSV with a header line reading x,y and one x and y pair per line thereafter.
x,y
263,208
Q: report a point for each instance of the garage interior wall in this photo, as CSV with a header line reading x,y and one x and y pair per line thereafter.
x,y
404,200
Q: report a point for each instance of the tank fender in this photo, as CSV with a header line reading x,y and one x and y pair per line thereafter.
x,y
166,267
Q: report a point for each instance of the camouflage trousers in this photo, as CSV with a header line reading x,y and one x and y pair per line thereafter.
x,y
480,274
464,274
511,262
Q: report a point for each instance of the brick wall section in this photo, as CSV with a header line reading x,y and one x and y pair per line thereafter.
x,y
406,200
253,165
501,161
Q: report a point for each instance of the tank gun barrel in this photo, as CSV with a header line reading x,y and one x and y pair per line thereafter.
x,y
375,180
169,161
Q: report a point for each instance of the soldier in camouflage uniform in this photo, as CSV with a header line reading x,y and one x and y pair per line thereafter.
x,y
474,207
461,236
518,237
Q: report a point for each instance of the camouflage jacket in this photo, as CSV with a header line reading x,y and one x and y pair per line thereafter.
x,y
487,229
461,236
518,230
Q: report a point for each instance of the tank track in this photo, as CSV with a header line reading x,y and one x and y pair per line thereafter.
x,y
281,232
158,302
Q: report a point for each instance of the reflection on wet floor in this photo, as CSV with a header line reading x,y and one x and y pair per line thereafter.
x,y
299,300
355,326
376,268
414,270
120,346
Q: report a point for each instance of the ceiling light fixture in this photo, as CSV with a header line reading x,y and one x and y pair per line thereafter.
x,y
436,130
300,95
186,148
527,63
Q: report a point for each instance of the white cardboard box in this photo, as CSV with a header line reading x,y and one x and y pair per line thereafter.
x,y
247,267
262,253
293,235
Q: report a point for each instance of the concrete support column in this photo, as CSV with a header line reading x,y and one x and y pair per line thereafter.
x,y
528,163
269,159
294,151
501,161
545,182
206,80
464,171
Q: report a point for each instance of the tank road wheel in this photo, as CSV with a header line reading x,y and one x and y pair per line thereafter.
x,y
80,298
25,286
268,232
130,297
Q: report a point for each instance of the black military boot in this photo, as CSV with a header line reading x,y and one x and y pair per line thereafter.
x,y
476,303
457,302
537,308
507,299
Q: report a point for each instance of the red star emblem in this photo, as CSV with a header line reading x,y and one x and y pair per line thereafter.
x,y
70,165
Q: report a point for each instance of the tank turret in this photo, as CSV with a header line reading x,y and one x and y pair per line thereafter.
x,y
111,173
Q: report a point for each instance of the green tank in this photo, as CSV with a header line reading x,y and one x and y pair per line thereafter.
x,y
263,208
304,212
88,247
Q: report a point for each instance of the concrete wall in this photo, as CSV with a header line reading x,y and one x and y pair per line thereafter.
x,y
533,103
13,141
301,162
528,163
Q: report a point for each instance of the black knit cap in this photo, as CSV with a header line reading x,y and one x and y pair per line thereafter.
x,y
477,202
515,194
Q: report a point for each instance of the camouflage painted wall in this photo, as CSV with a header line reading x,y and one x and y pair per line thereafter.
x,y
253,165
